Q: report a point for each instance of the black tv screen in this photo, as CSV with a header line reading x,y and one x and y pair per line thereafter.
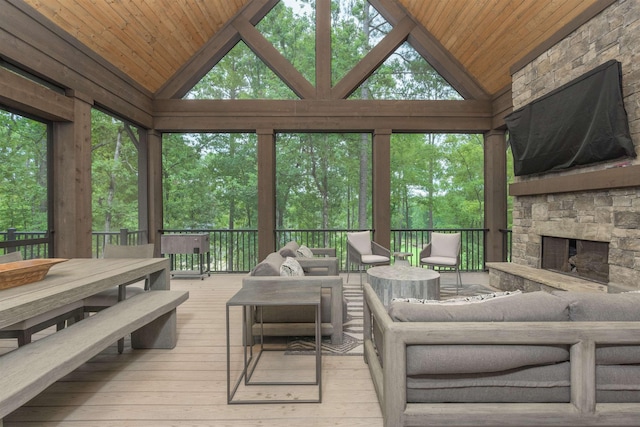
x,y
582,122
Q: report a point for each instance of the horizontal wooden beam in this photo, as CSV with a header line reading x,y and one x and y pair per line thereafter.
x,y
34,44
21,94
323,115
617,177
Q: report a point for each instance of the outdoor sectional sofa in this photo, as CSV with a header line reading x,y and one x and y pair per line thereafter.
x,y
539,358
299,321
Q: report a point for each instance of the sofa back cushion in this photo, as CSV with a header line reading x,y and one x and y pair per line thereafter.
x,y
290,249
533,307
269,267
599,307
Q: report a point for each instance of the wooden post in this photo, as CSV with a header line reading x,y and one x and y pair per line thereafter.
x,y
495,195
71,148
266,192
155,219
381,191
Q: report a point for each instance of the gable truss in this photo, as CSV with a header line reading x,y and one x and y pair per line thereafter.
x,y
242,27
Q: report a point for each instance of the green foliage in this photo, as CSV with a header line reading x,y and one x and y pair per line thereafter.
x,y
114,174
23,173
210,180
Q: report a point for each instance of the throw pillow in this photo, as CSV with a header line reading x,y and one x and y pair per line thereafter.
x,y
460,300
304,252
291,267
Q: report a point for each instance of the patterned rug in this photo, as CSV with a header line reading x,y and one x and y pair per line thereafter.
x,y
353,328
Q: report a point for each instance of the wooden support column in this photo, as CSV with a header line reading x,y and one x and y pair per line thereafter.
x,y
155,219
381,191
323,49
266,192
71,171
495,194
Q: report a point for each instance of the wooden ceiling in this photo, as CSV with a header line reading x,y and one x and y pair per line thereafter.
x,y
150,40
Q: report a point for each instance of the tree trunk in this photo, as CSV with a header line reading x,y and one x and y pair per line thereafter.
x,y
112,181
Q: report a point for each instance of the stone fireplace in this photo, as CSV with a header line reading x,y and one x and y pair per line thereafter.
x,y
596,206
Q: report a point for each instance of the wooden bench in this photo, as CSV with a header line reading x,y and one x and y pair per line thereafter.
x,y
30,369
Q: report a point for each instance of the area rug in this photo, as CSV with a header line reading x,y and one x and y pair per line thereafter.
x,y
352,330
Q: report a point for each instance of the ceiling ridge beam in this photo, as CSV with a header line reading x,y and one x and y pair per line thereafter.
x,y
212,51
562,33
273,59
433,52
374,59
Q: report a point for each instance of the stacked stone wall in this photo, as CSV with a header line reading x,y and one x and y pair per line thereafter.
x,y
613,215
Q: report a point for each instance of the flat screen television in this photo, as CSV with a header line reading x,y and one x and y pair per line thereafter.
x,y
580,123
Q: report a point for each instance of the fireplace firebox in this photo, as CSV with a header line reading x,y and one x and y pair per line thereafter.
x,y
582,258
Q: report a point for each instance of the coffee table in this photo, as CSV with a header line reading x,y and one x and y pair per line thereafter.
x,y
271,295
399,281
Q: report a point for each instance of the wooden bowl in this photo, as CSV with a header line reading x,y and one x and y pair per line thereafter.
x,y
19,273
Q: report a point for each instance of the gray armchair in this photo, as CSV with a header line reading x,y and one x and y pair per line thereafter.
x,y
293,321
323,262
443,251
363,251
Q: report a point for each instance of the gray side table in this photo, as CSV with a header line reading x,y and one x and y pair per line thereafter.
x,y
272,295
400,258
403,282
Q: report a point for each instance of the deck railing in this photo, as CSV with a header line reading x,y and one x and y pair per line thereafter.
x,y
237,250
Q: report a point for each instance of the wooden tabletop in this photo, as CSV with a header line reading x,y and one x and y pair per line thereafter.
x,y
75,280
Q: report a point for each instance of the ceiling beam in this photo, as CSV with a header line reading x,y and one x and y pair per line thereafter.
x,y
433,52
213,51
274,59
177,115
24,95
562,33
370,63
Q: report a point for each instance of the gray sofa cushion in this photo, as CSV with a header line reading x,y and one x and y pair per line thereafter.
x,y
465,359
290,249
533,307
598,307
595,307
618,383
270,266
538,384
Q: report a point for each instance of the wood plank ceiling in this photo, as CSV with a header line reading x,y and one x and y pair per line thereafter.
x,y
149,40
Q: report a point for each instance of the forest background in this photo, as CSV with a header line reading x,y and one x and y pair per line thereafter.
x,y
323,180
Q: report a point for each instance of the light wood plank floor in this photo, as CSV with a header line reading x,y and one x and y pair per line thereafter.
x,y
186,386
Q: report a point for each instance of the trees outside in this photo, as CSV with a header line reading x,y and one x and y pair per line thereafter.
x,y
23,174
114,173
323,179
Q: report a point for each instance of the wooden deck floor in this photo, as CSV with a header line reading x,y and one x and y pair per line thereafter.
x,y
186,386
